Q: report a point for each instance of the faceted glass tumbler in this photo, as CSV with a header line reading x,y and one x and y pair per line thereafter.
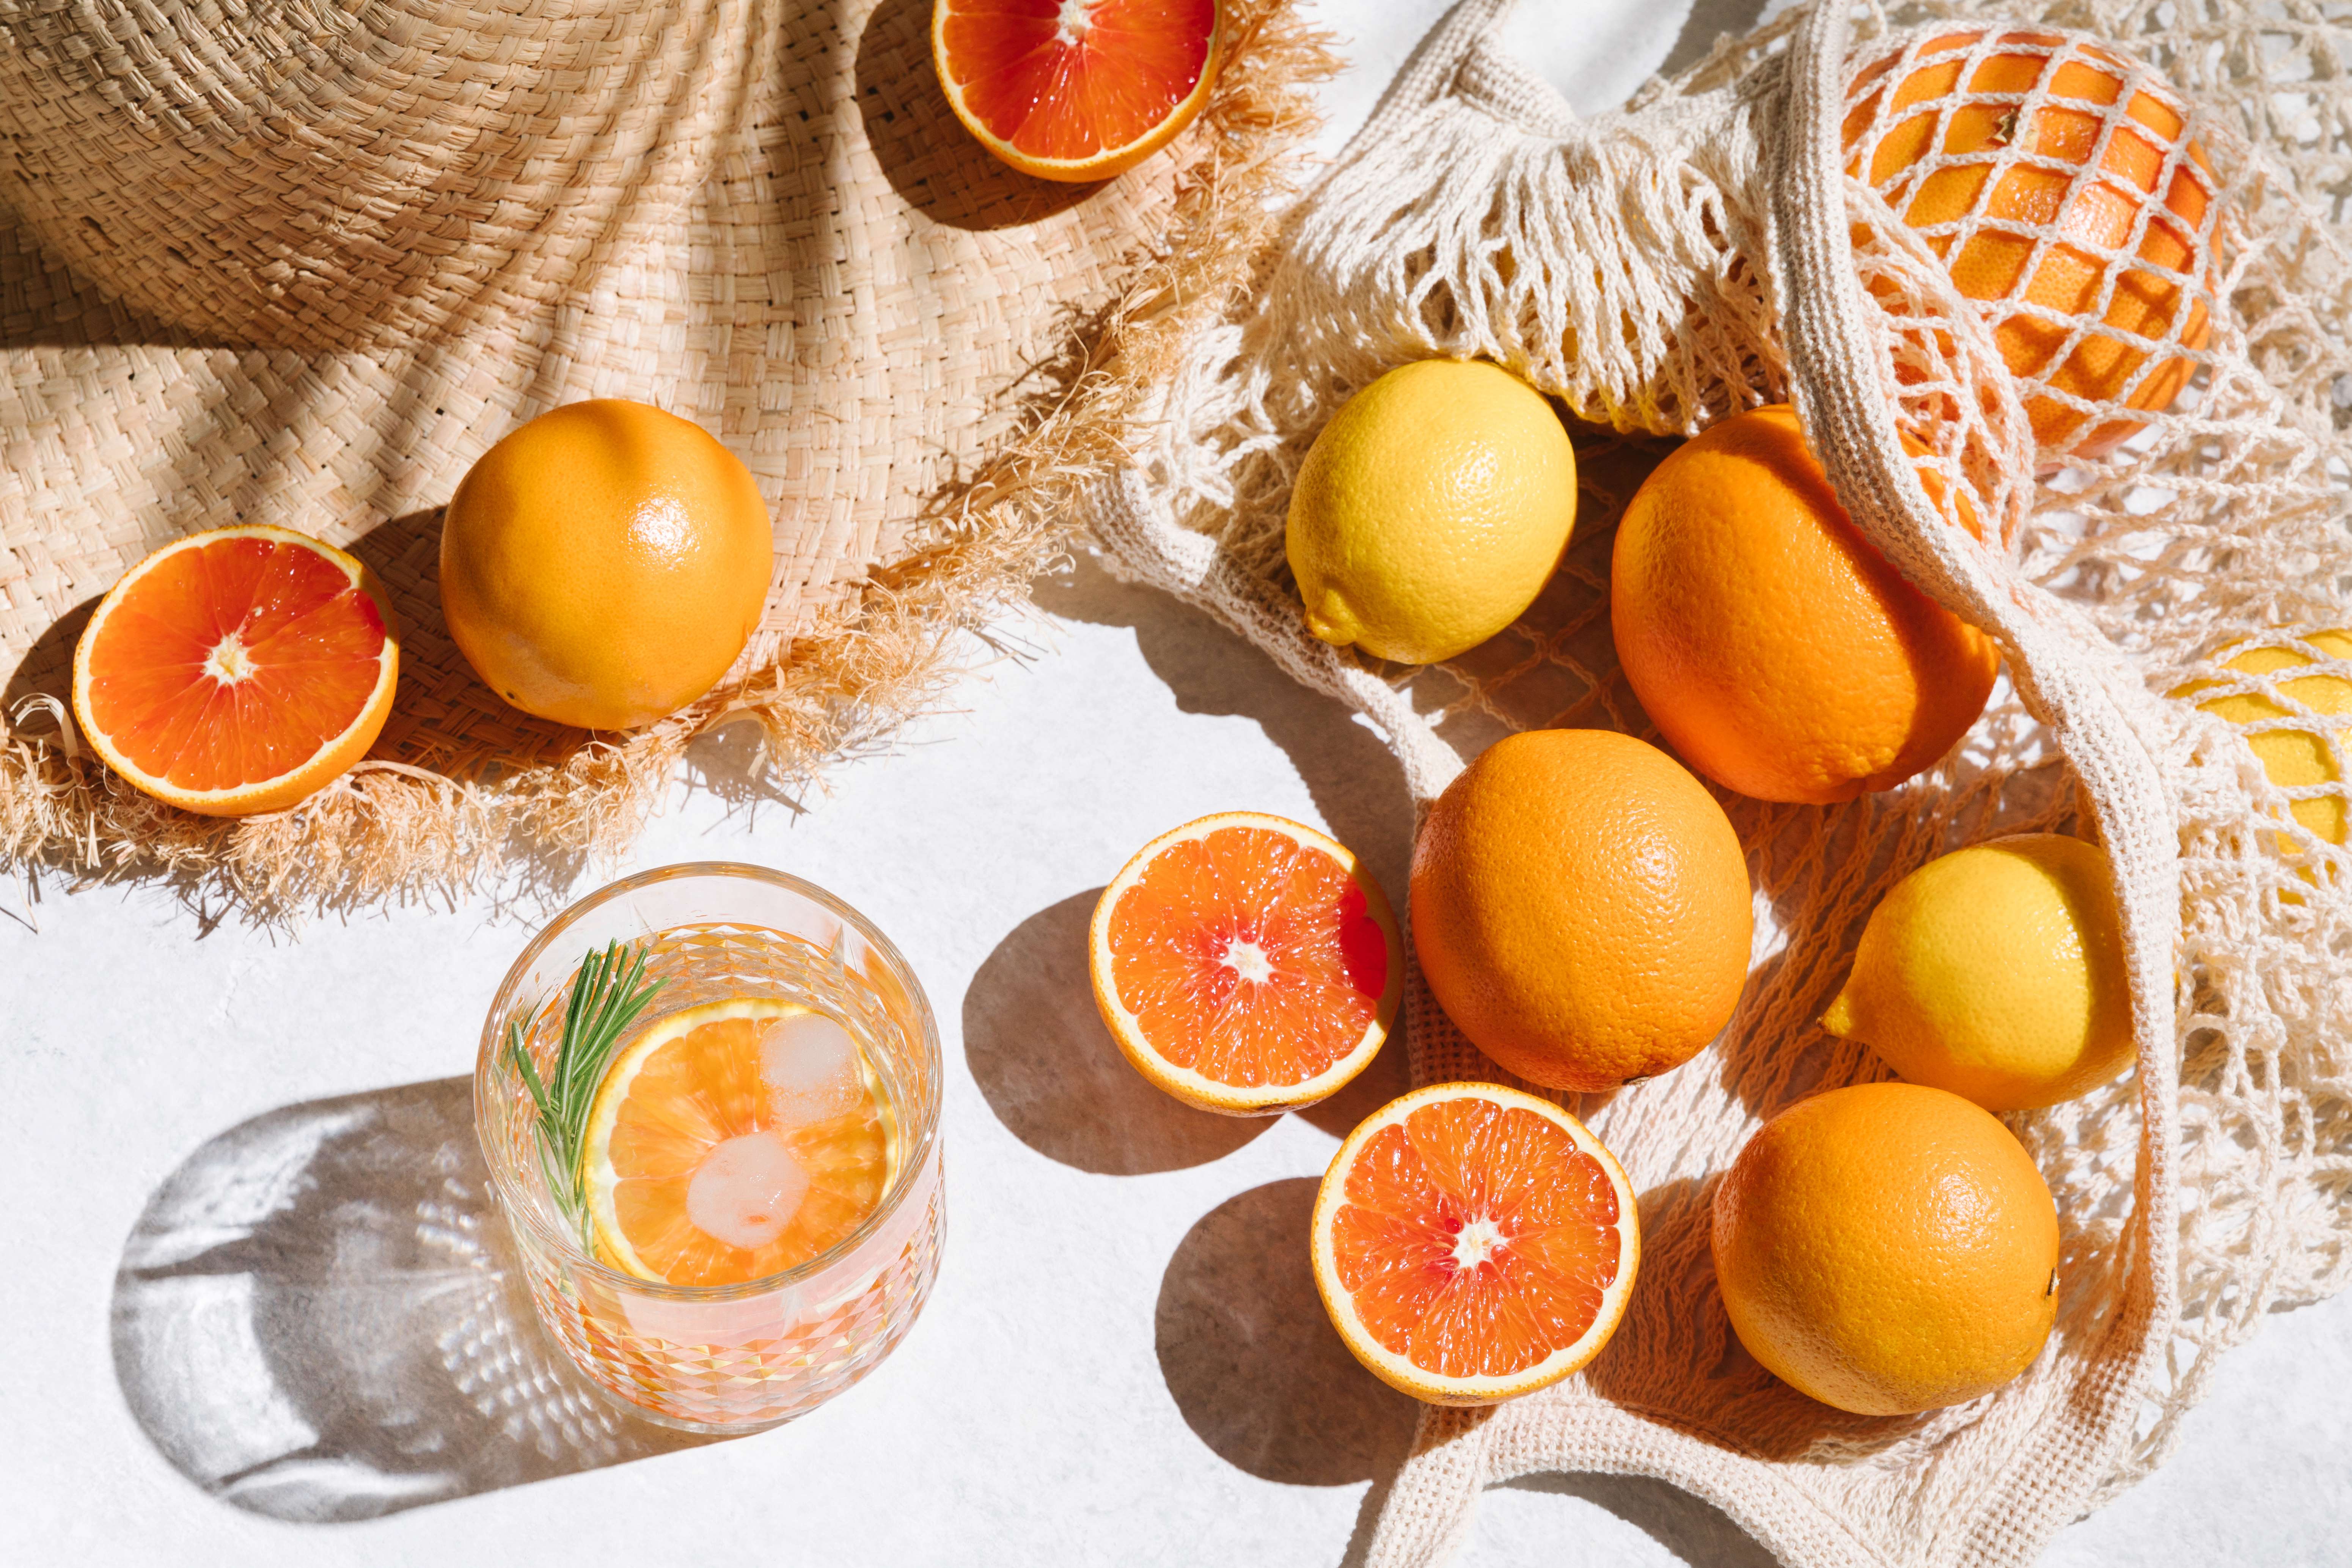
x,y
731,1358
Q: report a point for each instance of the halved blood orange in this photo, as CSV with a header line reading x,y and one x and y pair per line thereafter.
x,y
1247,963
237,671
1473,1243
1076,90
732,1141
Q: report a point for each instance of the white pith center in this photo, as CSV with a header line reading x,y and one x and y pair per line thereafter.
x,y
228,663
1248,960
1073,22
1476,1242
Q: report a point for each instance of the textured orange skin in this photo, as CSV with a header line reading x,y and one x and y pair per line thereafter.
x,y
1106,165
270,794
1776,650
604,564
2100,214
1887,1248
1580,906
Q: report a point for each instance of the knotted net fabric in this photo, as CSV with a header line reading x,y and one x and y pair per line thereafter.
x,y
1706,248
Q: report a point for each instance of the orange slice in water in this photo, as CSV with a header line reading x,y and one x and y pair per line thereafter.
x,y
237,671
733,1141
1247,963
1076,89
1473,1243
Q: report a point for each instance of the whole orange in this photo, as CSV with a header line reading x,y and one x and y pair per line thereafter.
x,y
2038,176
604,563
1887,1248
1580,909
1774,647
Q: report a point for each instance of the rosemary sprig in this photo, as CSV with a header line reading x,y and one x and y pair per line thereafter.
x,y
608,992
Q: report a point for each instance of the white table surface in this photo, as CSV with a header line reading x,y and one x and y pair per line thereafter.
x,y
252,1318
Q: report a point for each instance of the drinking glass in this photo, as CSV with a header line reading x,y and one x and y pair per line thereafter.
x,y
726,1358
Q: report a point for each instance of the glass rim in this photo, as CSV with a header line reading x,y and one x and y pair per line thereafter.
x,y
519,1210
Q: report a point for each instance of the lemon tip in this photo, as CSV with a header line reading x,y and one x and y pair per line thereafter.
x,y
1838,1017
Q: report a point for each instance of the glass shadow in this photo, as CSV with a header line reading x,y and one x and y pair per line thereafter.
x,y
319,1318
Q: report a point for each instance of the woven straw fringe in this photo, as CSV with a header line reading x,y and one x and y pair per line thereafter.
x,y
1702,251
302,265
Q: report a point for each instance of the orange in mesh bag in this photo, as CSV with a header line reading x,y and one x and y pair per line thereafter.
x,y
2057,183
2134,391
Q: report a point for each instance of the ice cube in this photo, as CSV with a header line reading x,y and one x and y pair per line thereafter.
x,y
810,1065
745,1190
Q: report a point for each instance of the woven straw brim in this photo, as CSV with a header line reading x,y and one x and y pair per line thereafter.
x,y
898,334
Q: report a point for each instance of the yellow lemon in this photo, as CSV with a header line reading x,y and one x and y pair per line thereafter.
x,y
1431,511
1996,972
1885,1247
604,564
2293,757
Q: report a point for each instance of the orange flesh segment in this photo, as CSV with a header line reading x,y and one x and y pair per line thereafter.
x,y
1072,93
693,1094
1468,1162
313,640
1186,937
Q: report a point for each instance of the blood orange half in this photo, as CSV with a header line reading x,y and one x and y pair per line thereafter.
x,y
1473,1243
1247,963
237,671
1076,89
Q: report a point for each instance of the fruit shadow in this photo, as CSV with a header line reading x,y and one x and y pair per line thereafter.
x,y
441,701
1354,780
1674,1353
1709,21
1252,1360
1050,1070
319,1318
45,669
923,149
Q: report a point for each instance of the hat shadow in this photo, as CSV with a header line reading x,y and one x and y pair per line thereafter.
x,y
319,1318
923,149
97,317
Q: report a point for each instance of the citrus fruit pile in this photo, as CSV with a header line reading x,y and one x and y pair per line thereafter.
x,y
1580,900
602,566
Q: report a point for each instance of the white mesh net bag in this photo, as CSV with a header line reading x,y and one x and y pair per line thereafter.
x,y
2155,494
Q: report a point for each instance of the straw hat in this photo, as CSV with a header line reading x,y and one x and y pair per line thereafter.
x,y
300,263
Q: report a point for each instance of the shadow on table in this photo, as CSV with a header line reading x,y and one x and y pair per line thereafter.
x,y
1355,782
1055,1077
1252,1362
1709,20
319,1318
1695,1530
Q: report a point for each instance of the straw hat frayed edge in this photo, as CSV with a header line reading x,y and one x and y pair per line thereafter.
x,y
387,831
